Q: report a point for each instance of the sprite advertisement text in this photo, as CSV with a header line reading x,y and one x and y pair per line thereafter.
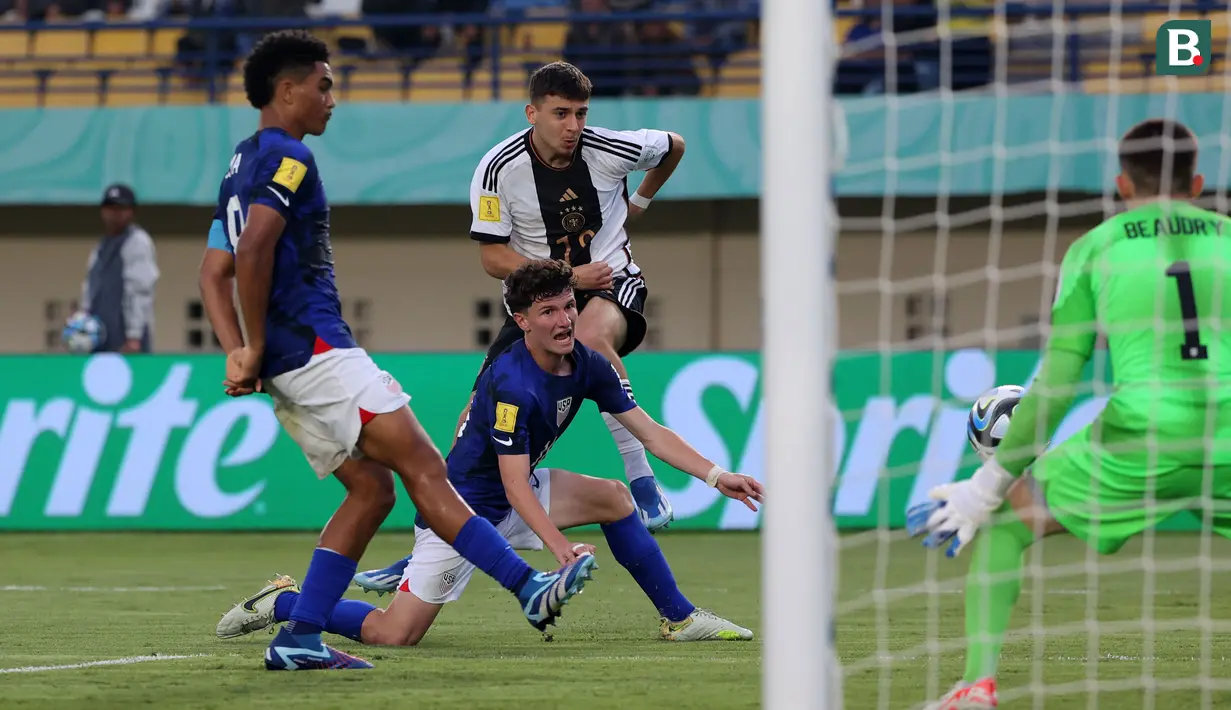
x,y
152,442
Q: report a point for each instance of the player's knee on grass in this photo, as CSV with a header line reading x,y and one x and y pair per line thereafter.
x,y
404,623
381,629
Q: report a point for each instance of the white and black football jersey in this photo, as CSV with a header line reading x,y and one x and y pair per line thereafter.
x,y
575,213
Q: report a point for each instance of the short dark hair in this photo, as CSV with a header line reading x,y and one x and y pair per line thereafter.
x,y
276,54
537,280
559,79
1155,145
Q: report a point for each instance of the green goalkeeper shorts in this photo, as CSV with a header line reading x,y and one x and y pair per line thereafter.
x,y
1105,498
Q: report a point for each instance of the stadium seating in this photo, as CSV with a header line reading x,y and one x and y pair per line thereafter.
x,y
136,63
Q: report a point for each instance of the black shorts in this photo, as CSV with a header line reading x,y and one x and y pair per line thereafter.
x,y
628,292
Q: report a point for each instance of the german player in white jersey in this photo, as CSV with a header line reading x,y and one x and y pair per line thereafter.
x,y
559,190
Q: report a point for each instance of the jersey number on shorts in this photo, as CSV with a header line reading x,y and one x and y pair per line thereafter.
x,y
1192,349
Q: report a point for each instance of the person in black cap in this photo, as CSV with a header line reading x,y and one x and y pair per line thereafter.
x,y
120,276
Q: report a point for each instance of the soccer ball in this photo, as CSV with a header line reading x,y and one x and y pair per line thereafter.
x,y
83,332
989,418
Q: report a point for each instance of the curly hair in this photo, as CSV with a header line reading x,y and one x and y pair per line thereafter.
x,y
1160,156
559,79
537,280
276,54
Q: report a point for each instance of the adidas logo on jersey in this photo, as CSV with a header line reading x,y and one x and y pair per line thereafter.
x,y
568,195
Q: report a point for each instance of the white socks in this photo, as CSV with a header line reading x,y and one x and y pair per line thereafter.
x,y
636,465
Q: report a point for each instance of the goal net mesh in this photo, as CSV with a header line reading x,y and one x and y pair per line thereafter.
x,y
976,148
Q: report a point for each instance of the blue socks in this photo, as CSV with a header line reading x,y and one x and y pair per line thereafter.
x,y
481,545
346,619
329,574
283,606
635,549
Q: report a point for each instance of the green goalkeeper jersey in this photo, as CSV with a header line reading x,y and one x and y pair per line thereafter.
x,y
1154,281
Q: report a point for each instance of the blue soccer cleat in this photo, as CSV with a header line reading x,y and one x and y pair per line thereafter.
x,y
383,580
544,594
652,505
289,652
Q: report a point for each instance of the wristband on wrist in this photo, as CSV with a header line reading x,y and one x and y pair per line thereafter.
x,y
638,199
711,479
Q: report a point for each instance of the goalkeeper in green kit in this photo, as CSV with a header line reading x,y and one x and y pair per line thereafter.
x,y
1154,281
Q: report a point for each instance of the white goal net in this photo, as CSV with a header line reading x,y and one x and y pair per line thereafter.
x,y
980,143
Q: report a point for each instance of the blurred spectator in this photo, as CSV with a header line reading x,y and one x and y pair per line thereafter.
x,y
274,8
418,41
54,10
622,6
12,10
196,48
718,39
116,9
971,44
599,49
120,276
468,38
663,65
866,70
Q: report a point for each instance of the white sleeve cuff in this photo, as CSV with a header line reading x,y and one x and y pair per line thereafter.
x,y
993,478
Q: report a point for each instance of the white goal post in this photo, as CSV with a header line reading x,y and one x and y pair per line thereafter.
x,y
798,224
968,168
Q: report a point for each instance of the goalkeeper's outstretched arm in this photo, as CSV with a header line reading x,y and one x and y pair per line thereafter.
x,y
1069,347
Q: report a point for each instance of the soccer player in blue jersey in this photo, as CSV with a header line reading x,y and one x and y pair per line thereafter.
x,y
523,404
271,236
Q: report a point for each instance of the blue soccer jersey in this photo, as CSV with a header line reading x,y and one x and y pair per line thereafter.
x,y
275,170
519,408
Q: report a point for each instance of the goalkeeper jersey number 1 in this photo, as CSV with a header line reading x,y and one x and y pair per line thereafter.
x,y
1154,280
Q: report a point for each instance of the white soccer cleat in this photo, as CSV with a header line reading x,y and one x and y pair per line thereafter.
x,y
703,625
257,611
980,696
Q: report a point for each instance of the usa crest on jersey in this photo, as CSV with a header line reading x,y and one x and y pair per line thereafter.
x,y
562,409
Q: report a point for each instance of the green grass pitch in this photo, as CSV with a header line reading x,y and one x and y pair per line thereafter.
x,y
82,598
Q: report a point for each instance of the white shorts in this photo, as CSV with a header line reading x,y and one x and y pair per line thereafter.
x,y
324,404
437,574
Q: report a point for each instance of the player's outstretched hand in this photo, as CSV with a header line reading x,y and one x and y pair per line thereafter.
x,y
595,276
568,552
742,488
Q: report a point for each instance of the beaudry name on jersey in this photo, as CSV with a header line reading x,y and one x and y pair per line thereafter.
x,y
576,213
305,314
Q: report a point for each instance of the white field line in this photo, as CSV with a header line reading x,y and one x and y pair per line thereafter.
x,y
105,590
93,664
